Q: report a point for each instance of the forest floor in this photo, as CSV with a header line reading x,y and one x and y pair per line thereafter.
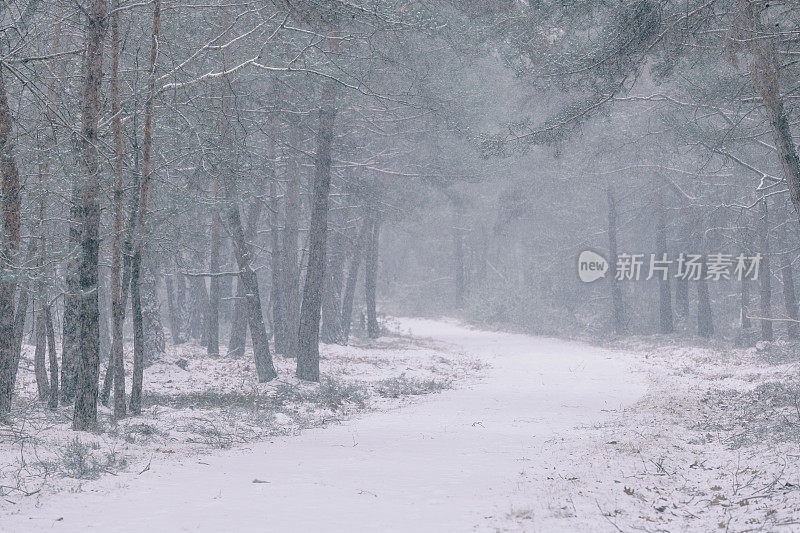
x,y
713,445
525,434
443,462
195,404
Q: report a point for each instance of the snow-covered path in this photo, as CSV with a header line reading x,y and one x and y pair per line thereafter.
x,y
449,462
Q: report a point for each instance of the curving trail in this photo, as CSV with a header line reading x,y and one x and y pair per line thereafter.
x,y
446,463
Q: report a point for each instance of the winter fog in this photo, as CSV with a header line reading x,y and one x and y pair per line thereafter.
x,y
399,265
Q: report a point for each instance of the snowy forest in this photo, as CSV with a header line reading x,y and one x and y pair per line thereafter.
x,y
399,265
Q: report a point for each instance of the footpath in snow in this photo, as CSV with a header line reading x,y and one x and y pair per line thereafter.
x,y
455,461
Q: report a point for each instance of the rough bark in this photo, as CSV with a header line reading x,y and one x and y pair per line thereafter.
x,y
308,354
765,75
11,209
290,268
88,368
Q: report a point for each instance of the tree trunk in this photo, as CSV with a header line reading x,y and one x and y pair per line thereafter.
x,y
682,287
19,316
39,365
199,309
240,319
117,361
225,285
765,275
705,319
174,312
70,331
279,329
308,354
138,336
247,277
212,317
371,277
104,309
44,323
664,294
136,265
127,260
745,301
682,297
180,300
291,270
331,329
51,345
744,285
155,338
617,311
787,276
765,75
88,368
352,279
11,210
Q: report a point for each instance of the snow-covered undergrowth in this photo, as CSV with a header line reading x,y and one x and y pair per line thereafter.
x,y
194,404
714,445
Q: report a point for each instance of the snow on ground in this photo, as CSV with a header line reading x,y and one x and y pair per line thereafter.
x,y
194,404
712,446
447,462
645,435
